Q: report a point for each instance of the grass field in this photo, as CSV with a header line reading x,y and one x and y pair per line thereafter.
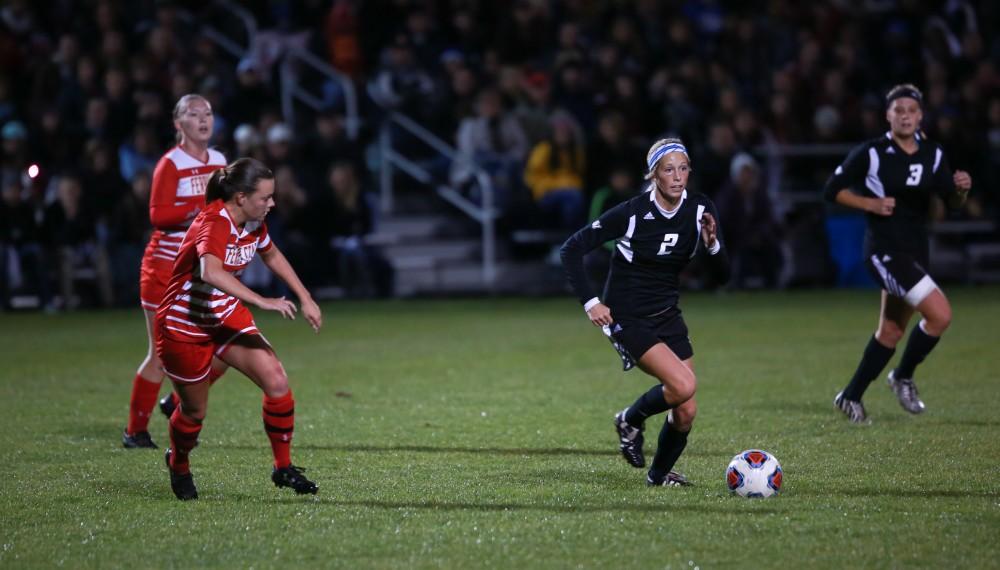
x,y
478,434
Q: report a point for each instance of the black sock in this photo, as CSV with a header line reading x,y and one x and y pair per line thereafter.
x,y
917,349
873,361
649,404
669,447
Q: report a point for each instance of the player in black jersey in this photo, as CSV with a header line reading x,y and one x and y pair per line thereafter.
x,y
892,178
656,234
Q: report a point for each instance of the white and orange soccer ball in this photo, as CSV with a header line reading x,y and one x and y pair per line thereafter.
x,y
754,473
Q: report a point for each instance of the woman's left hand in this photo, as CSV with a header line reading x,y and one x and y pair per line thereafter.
x,y
709,230
312,314
963,182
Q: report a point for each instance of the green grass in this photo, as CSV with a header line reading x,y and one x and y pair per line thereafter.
x,y
478,434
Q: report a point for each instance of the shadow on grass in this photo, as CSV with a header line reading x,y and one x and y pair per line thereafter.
x,y
459,449
214,495
434,449
819,406
146,489
543,507
901,493
511,451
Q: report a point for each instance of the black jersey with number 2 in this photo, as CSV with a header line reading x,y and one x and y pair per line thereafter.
x,y
651,249
879,168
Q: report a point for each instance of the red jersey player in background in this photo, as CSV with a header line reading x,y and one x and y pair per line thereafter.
x,y
177,195
203,317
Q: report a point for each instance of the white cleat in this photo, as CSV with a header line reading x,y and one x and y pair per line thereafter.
x,y
906,393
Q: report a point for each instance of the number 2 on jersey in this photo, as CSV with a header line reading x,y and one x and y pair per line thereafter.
x,y
669,241
916,171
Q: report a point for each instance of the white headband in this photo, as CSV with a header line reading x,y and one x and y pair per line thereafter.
x,y
665,149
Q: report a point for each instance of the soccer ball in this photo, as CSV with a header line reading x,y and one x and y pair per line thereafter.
x,y
754,473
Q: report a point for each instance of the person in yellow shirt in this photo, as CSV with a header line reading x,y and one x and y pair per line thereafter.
x,y
555,170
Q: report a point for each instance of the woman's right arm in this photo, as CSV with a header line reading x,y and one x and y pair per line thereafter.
x,y
210,243
611,225
163,213
878,206
851,173
215,274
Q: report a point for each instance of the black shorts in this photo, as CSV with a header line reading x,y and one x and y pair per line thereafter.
x,y
637,336
902,276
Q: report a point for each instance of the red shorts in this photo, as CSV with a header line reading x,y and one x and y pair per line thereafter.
x,y
187,361
154,276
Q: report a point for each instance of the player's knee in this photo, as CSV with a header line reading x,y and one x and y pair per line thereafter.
x,y
681,389
889,334
683,416
194,413
276,381
939,322
152,366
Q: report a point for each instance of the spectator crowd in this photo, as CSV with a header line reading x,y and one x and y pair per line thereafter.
x,y
557,100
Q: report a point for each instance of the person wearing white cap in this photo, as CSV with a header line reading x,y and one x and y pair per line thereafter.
x,y
656,235
279,144
754,235
279,133
247,140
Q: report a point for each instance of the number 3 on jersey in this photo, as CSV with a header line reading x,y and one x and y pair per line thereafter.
x,y
669,241
916,171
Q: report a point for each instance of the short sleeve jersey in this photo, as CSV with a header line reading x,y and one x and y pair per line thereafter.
x,y
879,168
191,309
652,247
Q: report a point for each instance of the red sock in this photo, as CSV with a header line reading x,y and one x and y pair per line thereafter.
x,y
279,423
183,438
141,404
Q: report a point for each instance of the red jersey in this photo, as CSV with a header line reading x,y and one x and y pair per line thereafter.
x,y
178,192
192,310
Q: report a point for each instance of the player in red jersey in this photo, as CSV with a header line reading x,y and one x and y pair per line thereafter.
x,y
178,193
203,317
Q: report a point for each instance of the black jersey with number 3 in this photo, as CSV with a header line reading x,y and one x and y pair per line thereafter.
x,y
879,168
651,249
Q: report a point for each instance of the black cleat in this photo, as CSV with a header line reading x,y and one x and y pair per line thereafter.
x,y
182,485
629,441
855,411
137,440
673,479
167,405
292,476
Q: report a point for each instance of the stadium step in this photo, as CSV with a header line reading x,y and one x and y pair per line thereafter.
x,y
984,262
401,229
466,278
437,250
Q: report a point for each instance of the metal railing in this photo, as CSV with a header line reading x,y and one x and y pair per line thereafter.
x,y
220,38
292,90
483,213
292,59
235,9
775,157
